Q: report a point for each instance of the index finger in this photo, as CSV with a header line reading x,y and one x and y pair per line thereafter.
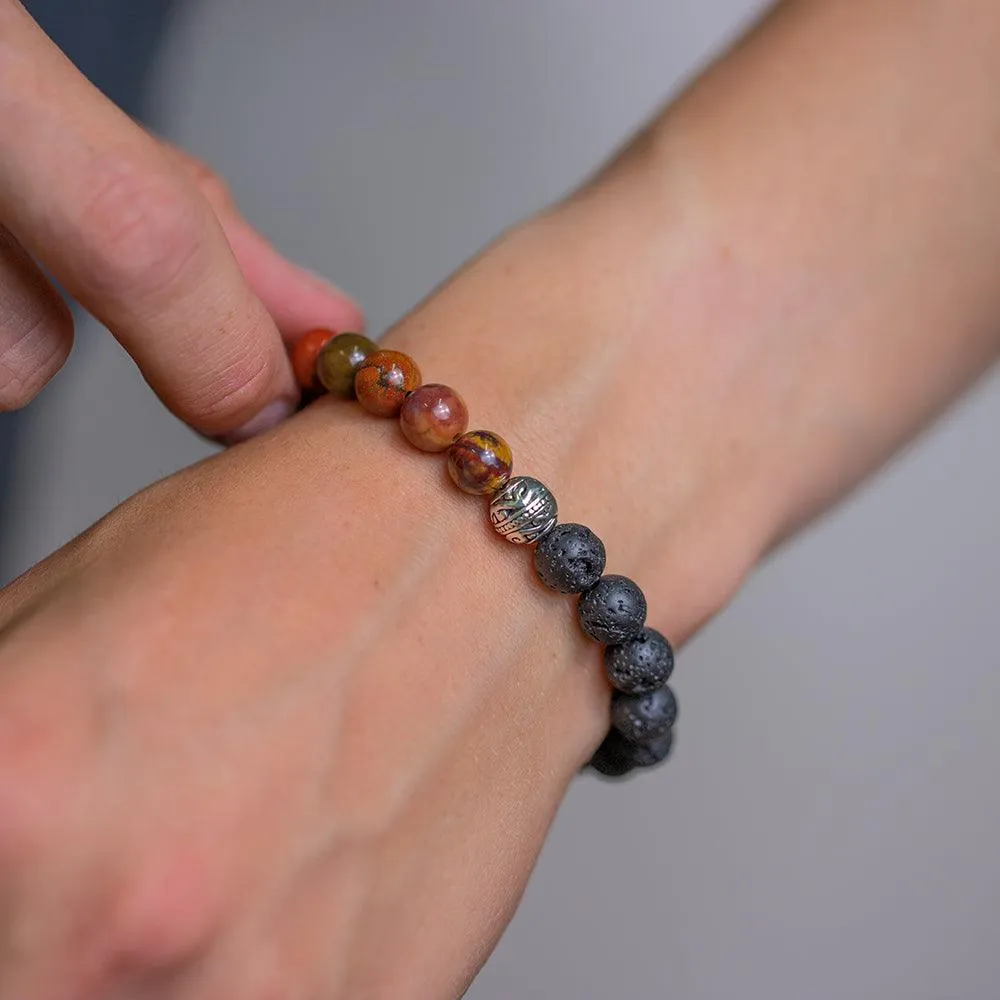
x,y
128,234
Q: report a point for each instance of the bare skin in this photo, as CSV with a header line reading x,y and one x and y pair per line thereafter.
x,y
294,722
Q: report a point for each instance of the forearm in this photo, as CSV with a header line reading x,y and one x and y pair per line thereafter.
x,y
824,206
781,281
764,296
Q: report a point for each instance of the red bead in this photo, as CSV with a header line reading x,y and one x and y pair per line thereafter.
x,y
303,354
383,380
433,416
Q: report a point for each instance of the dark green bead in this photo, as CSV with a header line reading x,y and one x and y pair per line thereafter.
x,y
340,360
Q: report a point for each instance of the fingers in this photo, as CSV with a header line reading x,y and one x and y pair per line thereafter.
x,y
36,328
296,299
128,233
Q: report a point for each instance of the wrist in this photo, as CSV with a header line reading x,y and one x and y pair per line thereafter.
x,y
568,337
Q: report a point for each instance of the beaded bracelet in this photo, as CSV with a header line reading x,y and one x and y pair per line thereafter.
x,y
569,558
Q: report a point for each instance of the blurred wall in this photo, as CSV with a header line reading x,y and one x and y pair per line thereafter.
x,y
829,825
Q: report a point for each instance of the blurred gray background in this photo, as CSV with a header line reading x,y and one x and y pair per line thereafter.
x,y
829,825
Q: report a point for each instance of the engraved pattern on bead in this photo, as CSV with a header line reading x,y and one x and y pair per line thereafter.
x,y
524,510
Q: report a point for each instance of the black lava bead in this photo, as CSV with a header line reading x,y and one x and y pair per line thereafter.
x,y
613,610
570,558
611,758
617,756
643,717
653,752
640,664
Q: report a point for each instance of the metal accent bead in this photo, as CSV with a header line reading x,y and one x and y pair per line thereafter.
x,y
524,510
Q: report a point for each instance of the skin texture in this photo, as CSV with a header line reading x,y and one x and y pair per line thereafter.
x,y
269,743
149,241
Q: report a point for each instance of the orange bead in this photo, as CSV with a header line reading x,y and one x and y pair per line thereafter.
x,y
383,380
303,356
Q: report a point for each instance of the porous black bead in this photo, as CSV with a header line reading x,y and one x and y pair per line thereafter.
x,y
613,610
643,717
640,664
652,752
618,756
570,558
609,759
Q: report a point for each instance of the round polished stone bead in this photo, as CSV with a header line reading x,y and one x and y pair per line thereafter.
x,y
640,664
480,462
523,511
618,756
570,558
433,416
383,381
643,717
339,361
613,610
303,354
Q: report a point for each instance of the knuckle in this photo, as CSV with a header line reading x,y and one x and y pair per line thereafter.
x,y
211,185
167,913
35,790
140,226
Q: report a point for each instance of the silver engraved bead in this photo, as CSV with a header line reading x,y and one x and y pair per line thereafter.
x,y
524,510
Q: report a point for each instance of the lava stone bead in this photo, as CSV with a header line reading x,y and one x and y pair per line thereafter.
x,y
640,664
383,381
339,361
480,462
643,717
570,558
652,752
617,756
611,758
303,354
433,416
613,610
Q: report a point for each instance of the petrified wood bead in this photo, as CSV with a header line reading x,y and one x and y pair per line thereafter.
x,y
432,417
480,462
383,380
339,361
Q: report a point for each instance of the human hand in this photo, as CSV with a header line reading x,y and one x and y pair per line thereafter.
x,y
294,722
148,240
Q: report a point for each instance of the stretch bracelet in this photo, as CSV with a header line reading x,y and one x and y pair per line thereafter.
x,y
569,558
